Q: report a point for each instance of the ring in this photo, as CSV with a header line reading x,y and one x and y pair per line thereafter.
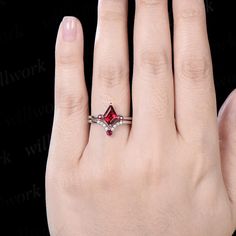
x,y
110,120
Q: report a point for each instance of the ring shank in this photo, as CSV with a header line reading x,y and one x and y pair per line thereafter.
x,y
125,120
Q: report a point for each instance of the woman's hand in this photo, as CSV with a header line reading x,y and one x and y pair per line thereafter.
x,y
170,173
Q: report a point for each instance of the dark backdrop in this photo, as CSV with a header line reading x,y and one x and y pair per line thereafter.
x,y
27,37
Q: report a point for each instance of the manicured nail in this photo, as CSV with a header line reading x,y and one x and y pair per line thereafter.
x,y
227,101
69,28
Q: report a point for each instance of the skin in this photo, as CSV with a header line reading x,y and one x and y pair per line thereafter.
x,y
173,172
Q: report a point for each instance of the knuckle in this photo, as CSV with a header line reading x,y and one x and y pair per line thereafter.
x,y
112,10
151,3
67,56
63,181
101,180
200,139
151,173
196,69
200,164
106,182
70,103
190,14
154,63
202,169
198,168
67,60
112,76
110,16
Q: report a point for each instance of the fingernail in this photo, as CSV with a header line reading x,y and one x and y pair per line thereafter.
x,y
227,101
69,28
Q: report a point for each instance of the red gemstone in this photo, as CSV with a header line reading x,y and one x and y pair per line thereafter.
x,y
109,132
110,115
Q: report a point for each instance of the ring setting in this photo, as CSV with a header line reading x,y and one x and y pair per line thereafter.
x,y
109,120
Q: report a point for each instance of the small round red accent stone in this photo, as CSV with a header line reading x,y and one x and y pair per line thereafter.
x,y
109,132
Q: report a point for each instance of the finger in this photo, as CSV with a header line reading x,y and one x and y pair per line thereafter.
x,y
111,68
195,101
227,131
153,99
70,129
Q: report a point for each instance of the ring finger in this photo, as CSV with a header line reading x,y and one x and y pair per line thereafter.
x,y
111,69
153,93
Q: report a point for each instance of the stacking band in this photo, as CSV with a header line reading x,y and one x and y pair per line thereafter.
x,y
110,120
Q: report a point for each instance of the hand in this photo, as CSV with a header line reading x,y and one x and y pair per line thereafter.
x,y
167,174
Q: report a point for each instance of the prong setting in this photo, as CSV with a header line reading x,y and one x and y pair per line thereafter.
x,y
110,120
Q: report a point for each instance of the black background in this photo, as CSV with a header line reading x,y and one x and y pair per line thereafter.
x,y
27,37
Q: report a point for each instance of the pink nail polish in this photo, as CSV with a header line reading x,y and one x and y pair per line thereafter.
x,y
227,101
69,28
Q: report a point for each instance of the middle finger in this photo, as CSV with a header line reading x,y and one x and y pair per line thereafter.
x,y
153,94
